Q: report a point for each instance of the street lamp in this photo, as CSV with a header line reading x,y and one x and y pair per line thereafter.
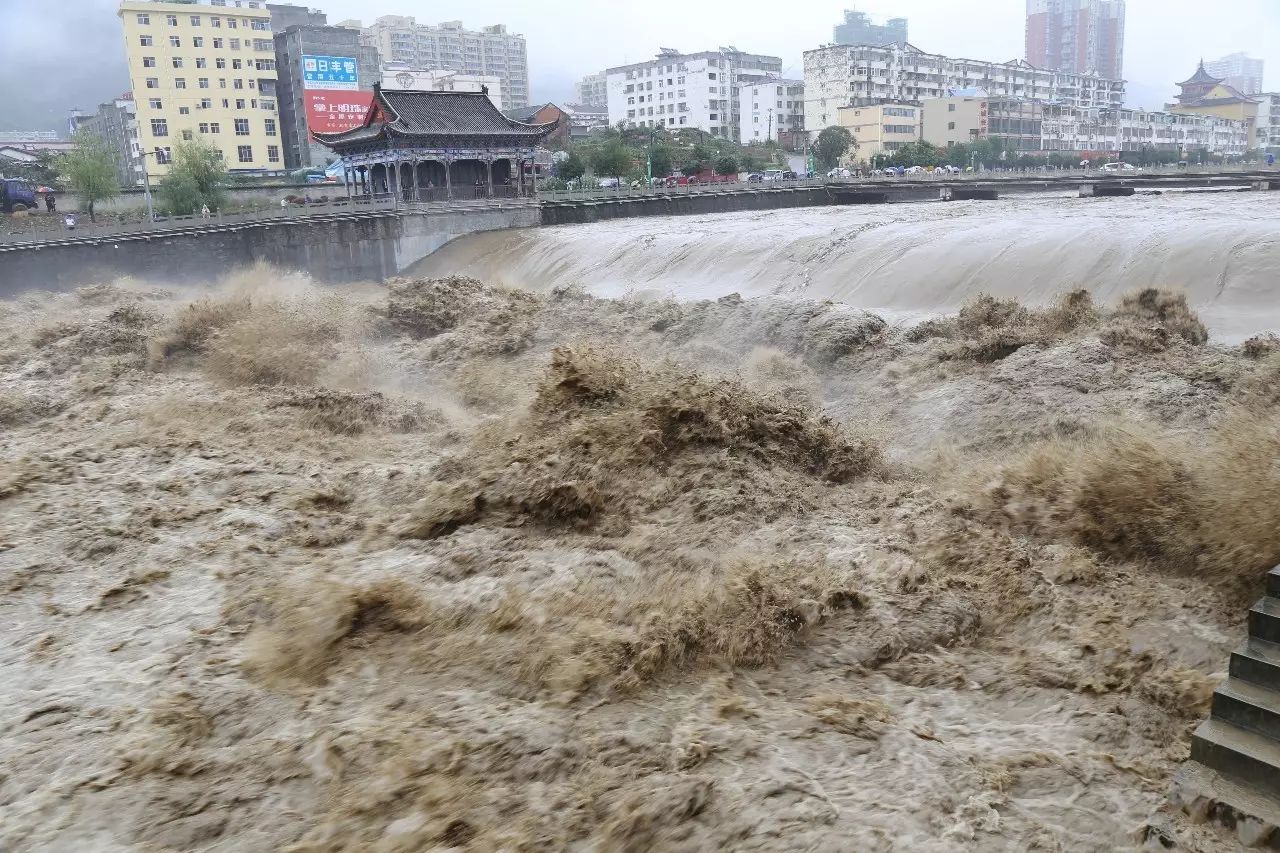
x,y
146,180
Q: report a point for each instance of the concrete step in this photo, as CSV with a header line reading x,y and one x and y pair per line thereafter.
x,y
1273,582
1264,620
1239,755
1250,707
1257,662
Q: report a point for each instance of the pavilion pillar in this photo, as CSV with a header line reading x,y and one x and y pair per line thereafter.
x,y
417,191
488,168
346,180
448,178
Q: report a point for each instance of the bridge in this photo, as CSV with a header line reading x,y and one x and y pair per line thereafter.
x,y
377,237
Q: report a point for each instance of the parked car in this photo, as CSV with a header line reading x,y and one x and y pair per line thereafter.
x,y
948,169
1119,167
894,171
609,183
755,178
773,175
789,175
839,173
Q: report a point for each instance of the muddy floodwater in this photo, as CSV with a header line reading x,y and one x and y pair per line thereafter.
x,y
913,528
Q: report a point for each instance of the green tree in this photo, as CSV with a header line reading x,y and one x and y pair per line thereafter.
x,y
832,144
726,166
661,158
90,170
197,177
612,160
572,167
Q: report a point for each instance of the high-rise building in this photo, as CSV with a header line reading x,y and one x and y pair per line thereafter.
x,y
1238,71
285,15
858,29
312,99
451,47
116,123
204,69
1077,36
842,75
686,90
592,90
400,75
772,108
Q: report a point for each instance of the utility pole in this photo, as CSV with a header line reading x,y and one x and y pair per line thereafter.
x,y
146,183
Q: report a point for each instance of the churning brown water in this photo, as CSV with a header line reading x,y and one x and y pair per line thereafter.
x,y
445,565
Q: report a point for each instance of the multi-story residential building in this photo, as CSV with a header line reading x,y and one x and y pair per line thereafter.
x,y
1077,36
858,29
1267,133
204,69
399,75
1024,126
1016,122
678,90
772,108
843,75
880,129
489,51
285,15
309,104
116,122
592,90
1238,71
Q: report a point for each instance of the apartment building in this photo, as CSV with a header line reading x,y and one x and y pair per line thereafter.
x,y
880,129
309,104
1267,133
592,90
1239,71
204,69
695,90
488,51
844,75
1077,36
1016,122
772,108
858,28
116,123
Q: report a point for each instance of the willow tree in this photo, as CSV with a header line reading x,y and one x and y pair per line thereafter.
x,y
90,169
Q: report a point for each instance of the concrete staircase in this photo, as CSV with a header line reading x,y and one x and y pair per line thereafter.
x,y
1240,742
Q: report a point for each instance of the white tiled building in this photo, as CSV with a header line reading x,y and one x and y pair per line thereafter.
x,y
841,75
592,90
1070,129
1268,131
687,90
489,51
770,106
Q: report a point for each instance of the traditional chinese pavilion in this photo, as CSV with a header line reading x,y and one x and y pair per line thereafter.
x,y
424,146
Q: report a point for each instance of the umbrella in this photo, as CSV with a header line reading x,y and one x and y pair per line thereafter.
x,y
45,190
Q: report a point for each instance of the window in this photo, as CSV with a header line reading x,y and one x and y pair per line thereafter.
x,y
231,23
240,103
148,62
218,43
713,116
177,62
234,44
204,127
159,127
179,82
203,83
242,127
951,125
153,83
226,104
244,153
220,62
271,126
187,135
237,64
164,155
155,103
711,76
214,127
951,108
171,20
146,41
206,103
184,111
273,153
175,41
260,25
198,41
222,84
144,19
269,105
265,64
216,23
195,20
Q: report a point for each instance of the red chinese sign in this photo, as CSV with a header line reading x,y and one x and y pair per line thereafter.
x,y
333,110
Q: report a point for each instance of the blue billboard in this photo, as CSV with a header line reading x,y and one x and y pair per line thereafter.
x,y
330,72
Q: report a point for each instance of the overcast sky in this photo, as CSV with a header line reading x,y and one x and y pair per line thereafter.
x,y
60,54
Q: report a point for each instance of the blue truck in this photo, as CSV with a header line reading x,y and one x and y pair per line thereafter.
x,y
16,195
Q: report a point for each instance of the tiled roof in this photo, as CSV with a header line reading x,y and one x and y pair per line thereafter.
x,y
1201,76
439,114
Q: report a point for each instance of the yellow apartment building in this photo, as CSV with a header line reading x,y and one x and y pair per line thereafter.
x,y
880,129
205,69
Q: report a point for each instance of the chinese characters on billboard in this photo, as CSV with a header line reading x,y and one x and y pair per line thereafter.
x,y
334,112
334,100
